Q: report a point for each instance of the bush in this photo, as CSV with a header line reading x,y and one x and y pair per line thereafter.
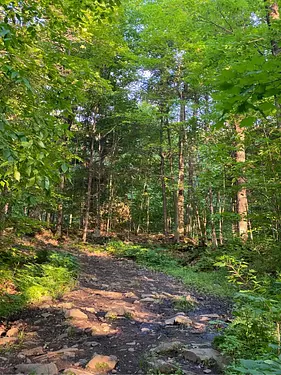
x,y
34,275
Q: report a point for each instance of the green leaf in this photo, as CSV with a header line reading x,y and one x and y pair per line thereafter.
x,y
17,175
248,121
64,167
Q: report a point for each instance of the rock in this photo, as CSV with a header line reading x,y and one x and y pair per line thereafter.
x,y
101,364
12,332
89,309
115,312
130,295
170,322
184,320
168,347
131,350
131,343
147,299
143,296
198,328
207,371
209,316
91,343
146,330
76,371
206,356
7,340
75,314
160,366
34,351
65,305
38,369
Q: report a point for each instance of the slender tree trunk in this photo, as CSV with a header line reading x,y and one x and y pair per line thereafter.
x,y
109,215
171,162
60,210
163,181
191,198
242,201
272,15
213,228
143,198
99,223
221,211
48,218
147,213
89,190
180,193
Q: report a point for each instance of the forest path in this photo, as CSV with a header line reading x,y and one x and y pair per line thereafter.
x,y
119,309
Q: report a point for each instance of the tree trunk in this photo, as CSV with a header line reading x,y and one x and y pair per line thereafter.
x,y
163,181
221,211
272,14
89,191
242,201
180,193
213,228
60,211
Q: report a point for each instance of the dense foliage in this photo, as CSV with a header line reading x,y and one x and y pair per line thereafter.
x,y
140,117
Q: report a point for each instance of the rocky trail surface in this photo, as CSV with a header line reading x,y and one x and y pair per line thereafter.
x,y
120,319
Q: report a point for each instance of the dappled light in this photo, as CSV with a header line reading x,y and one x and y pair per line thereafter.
x,y
140,195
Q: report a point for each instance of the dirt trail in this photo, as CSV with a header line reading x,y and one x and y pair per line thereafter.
x,y
126,307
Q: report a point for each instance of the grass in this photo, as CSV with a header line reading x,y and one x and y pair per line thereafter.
x,y
213,282
28,276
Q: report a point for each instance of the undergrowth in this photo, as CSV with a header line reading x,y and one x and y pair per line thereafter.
x,y
253,339
213,281
29,276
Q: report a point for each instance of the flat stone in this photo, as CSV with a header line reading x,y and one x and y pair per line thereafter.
x,y
76,371
7,340
65,305
38,368
34,351
12,332
147,299
168,347
89,309
75,314
210,316
148,296
207,356
101,364
184,320
161,367
116,311
170,322
207,371
131,343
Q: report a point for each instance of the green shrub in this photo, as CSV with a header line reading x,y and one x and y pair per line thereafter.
x,y
34,275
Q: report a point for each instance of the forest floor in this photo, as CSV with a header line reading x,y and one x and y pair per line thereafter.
x,y
149,321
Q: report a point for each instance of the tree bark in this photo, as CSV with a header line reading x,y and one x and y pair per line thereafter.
x,y
89,190
242,201
180,193
60,210
163,181
213,228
